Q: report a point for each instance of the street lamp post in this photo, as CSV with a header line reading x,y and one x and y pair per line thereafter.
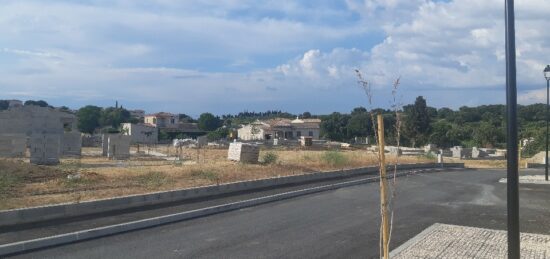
x,y
512,134
547,76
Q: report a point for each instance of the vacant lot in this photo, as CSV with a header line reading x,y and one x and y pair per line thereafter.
x,y
95,177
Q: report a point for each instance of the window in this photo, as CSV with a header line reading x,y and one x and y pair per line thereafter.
x,y
172,121
298,134
311,133
154,120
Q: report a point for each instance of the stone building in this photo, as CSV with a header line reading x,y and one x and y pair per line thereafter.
x,y
161,120
141,133
169,124
280,129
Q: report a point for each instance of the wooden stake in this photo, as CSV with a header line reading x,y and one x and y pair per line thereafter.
x,y
383,189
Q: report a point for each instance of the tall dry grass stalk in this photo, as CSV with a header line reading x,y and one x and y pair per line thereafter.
x,y
396,106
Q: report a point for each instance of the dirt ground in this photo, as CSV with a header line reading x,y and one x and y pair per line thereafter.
x,y
94,177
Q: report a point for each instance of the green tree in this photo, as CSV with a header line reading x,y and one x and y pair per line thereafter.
x,y
417,121
40,103
185,118
306,115
334,126
209,122
113,117
218,134
88,118
359,124
487,135
358,110
4,105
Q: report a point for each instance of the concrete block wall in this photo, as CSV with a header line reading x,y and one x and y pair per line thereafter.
x,y
202,141
43,126
71,144
243,152
45,149
13,145
118,147
141,133
105,144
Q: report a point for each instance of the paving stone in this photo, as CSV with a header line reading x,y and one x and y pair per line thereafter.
x,y
451,241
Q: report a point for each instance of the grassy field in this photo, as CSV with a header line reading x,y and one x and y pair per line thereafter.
x,y
96,177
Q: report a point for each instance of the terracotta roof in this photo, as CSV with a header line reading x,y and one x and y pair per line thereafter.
x,y
279,122
312,120
306,125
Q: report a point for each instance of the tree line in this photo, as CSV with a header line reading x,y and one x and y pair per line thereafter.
x,y
481,126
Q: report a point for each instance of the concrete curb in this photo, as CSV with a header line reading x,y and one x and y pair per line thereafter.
x,y
50,212
23,246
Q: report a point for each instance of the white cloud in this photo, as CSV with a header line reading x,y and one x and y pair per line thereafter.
x,y
532,96
459,44
165,49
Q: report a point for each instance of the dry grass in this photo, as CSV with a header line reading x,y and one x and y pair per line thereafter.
x,y
471,163
25,185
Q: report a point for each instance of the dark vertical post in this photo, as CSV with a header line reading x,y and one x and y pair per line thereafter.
x,y
546,157
512,134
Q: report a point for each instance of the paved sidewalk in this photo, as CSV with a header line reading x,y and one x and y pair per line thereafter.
x,y
452,241
533,179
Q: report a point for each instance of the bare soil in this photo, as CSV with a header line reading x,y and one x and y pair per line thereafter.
x,y
94,177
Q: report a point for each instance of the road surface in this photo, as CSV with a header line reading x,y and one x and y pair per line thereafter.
x,y
343,223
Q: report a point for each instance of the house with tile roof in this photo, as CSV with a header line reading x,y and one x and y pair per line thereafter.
x,y
280,128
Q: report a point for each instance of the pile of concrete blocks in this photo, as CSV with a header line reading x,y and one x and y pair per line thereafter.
x,y
243,152
116,146
13,145
460,152
45,149
71,144
478,153
394,151
446,152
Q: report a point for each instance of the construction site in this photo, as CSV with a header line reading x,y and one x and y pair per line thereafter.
x,y
45,162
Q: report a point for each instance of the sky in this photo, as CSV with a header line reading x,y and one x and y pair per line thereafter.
x,y
228,56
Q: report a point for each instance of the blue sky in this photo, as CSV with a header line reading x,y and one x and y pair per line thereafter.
x,y
228,56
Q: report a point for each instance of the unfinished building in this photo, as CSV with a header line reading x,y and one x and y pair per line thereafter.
x,y
43,130
116,146
141,133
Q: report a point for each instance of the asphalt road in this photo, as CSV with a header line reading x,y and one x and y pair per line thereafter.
x,y
343,223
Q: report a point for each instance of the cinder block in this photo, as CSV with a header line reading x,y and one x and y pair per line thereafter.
x,y
242,152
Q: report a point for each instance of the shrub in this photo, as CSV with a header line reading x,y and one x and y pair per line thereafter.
x,y
334,158
430,155
8,181
153,179
206,174
269,158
